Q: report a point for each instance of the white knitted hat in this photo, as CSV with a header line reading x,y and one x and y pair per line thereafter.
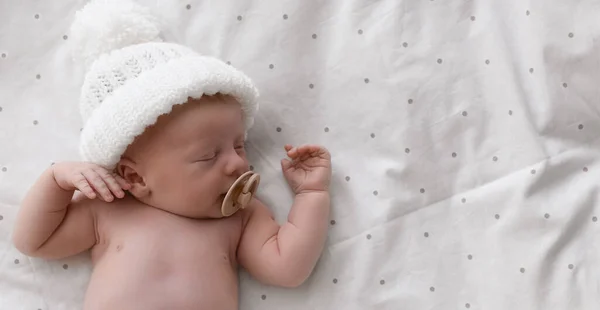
x,y
133,77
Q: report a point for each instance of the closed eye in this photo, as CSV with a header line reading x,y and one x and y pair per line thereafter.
x,y
208,157
240,145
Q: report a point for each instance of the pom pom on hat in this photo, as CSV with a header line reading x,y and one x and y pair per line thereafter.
x,y
106,25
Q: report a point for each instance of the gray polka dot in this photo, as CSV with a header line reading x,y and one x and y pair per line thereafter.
x,y
532,171
285,16
4,169
473,18
495,158
497,216
469,257
527,13
522,270
271,66
239,17
1,217
3,55
422,190
314,36
464,113
335,281
38,76
367,81
16,262
594,219
410,101
406,150
510,112
263,297
229,63
278,129
375,193
326,129
426,235
381,282
439,60
580,126
65,266
360,31
530,70
464,200
65,37
37,16
369,236
432,289
547,215
571,35
347,178
189,6
487,61
35,122
372,135
565,85
467,305
454,154
0,109
405,44
332,222
585,169
311,86
571,266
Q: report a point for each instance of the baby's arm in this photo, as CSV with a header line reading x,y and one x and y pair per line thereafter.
x,y
286,255
49,224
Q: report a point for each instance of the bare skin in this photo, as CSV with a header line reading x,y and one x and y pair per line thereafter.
x,y
154,227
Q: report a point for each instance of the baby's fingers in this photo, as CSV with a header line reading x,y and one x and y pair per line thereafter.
x,y
292,152
98,184
110,181
313,150
81,183
305,152
124,184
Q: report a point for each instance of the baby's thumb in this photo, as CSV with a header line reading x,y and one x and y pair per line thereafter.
x,y
285,165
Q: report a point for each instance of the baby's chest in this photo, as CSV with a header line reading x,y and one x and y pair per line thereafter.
x,y
161,239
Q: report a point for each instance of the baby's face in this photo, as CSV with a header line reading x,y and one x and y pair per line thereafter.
x,y
192,156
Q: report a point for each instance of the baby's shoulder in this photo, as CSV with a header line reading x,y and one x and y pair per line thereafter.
x,y
101,207
109,216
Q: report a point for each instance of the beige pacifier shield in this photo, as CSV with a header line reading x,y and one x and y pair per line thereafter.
x,y
240,193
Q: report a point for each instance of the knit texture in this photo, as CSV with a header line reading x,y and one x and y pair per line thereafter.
x,y
127,87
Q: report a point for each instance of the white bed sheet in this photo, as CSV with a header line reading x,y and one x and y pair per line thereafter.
x,y
464,137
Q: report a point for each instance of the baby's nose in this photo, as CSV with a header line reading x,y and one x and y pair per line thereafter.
x,y
236,165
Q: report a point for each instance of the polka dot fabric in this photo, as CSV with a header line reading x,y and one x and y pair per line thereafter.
x,y
464,137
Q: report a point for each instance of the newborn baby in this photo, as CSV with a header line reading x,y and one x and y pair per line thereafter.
x,y
147,199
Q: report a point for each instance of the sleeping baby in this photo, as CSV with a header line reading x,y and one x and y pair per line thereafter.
x,y
164,199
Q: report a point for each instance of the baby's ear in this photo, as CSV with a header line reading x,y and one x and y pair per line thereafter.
x,y
127,169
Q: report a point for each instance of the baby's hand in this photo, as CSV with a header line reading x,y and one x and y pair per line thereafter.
x,y
92,180
309,169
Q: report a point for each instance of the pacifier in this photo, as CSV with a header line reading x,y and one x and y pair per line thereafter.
x,y
240,193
